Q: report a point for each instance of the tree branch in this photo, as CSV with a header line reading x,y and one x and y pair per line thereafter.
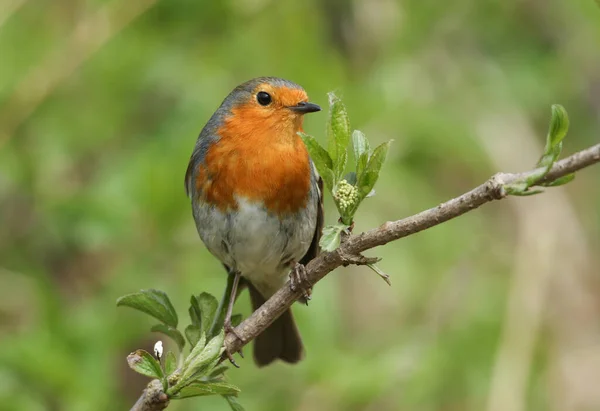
x,y
349,251
154,399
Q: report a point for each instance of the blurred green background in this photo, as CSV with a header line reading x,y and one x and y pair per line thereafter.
x,y
101,103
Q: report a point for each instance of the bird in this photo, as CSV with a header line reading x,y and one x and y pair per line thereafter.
x,y
257,201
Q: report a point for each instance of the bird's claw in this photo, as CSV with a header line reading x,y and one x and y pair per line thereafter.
x,y
299,280
229,329
231,359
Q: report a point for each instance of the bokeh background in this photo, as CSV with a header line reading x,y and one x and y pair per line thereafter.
x,y
100,106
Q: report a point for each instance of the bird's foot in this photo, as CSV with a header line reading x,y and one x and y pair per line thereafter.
x,y
229,329
299,280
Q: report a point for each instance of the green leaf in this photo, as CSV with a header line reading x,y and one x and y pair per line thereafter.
x,y
202,312
199,388
144,363
193,333
532,180
213,348
199,360
233,403
332,236
515,188
208,308
521,189
546,161
328,178
320,158
369,177
194,311
559,126
153,302
196,350
338,134
340,167
527,193
560,181
170,363
319,155
236,320
218,371
350,178
361,148
171,332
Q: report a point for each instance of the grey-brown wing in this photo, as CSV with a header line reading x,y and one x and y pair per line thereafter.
x,y
314,248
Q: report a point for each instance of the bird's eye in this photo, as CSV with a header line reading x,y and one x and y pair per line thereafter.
x,y
263,98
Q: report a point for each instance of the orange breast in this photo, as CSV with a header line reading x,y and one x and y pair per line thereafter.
x,y
259,158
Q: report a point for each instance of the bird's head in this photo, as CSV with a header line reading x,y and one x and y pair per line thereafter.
x,y
266,107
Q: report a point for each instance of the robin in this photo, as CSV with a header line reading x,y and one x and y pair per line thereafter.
x,y
257,200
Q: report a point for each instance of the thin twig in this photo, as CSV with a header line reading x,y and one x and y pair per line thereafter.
x,y
493,189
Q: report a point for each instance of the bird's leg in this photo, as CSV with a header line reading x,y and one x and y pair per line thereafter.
x,y
298,280
227,324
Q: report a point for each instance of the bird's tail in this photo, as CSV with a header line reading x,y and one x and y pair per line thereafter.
x,y
281,340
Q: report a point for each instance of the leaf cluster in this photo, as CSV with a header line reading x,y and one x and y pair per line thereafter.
x,y
559,126
199,373
347,189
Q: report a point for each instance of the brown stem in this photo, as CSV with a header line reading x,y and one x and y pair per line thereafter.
x,y
153,398
491,190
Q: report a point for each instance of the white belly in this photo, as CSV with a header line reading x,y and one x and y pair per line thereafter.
x,y
258,244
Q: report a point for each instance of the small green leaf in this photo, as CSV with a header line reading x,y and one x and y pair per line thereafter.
x,y
210,353
218,371
560,181
338,134
199,388
170,363
527,193
559,126
196,350
361,148
520,189
199,347
320,158
236,320
153,302
350,178
546,161
532,180
208,308
319,155
232,401
550,157
213,348
515,188
171,332
202,312
192,333
328,178
370,175
194,311
340,167
331,237
144,363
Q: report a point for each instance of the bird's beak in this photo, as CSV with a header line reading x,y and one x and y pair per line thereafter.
x,y
304,107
